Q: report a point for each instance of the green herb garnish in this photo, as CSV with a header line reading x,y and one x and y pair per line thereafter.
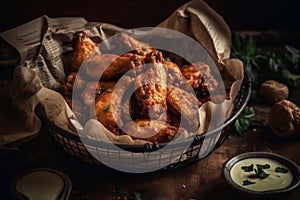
x,y
281,64
123,194
281,170
247,182
260,173
245,121
168,59
248,168
100,90
106,108
265,166
144,48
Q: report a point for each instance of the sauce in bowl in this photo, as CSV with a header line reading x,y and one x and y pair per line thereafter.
x,y
261,174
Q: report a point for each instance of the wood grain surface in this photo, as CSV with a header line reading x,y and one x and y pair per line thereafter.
x,y
202,180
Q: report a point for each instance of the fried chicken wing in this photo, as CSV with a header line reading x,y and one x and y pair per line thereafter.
x,y
200,78
184,104
83,47
150,130
122,105
129,43
151,92
107,67
103,112
95,89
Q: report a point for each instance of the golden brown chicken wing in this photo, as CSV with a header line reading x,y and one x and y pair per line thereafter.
x,y
103,112
129,43
83,47
150,130
94,89
200,78
151,92
107,67
184,104
122,104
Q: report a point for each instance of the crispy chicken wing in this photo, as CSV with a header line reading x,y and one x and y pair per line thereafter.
x,y
129,43
107,67
151,130
200,78
122,105
103,112
184,104
83,47
94,89
151,91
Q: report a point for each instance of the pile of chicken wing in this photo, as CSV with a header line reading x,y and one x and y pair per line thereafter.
x,y
142,93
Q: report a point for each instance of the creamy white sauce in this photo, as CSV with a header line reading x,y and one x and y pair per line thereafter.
x,y
274,181
40,185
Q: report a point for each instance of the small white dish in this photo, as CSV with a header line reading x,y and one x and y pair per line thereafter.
x,y
41,183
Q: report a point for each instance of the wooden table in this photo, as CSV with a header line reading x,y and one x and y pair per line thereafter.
x,y
202,180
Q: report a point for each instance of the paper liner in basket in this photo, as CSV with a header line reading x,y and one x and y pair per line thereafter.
x,y
49,58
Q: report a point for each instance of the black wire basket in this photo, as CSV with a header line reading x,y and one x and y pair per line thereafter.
x,y
179,154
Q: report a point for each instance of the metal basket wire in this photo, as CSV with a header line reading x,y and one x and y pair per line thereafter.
x,y
198,147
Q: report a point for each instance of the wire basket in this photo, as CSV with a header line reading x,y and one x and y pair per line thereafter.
x,y
195,148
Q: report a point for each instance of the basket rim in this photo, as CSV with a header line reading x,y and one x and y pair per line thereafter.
x,y
149,147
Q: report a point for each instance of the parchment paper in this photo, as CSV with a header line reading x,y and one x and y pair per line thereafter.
x,y
45,50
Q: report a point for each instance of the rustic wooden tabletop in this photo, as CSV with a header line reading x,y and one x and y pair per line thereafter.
x,y
202,180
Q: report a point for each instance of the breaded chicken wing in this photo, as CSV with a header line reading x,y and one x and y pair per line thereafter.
x,y
151,92
150,130
108,67
184,104
200,78
94,89
129,43
103,112
83,47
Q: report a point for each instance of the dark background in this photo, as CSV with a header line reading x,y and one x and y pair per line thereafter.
x,y
239,14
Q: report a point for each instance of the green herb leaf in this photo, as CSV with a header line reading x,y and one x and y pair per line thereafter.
x,y
168,59
244,122
247,182
265,166
247,168
281,170
106,108
294,78
136,196
100,90
294,54
260,173
280,64
144,48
